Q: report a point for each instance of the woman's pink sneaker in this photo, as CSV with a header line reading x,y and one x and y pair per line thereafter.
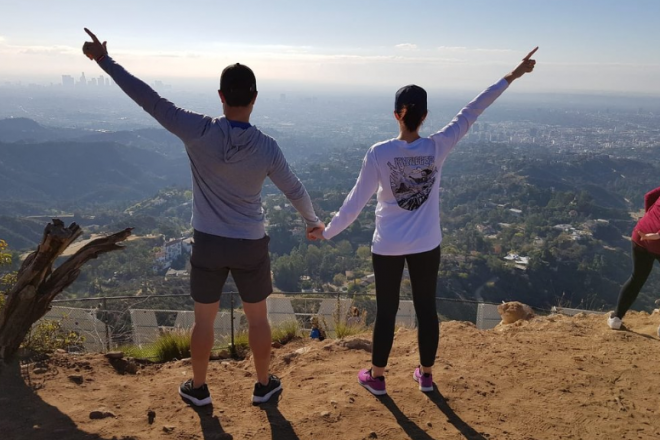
x,y
376,385
425,380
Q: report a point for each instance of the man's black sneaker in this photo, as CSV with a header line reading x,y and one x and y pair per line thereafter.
x,y
262,393
197,396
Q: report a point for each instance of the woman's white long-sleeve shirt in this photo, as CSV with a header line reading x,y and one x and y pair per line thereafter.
x,y
406,177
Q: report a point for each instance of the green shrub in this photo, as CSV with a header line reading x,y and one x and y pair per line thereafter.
x,y
172,345
285,332
343,330
146,352
48,336
241,342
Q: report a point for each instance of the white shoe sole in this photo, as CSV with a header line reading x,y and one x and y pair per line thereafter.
x,y
371,390
266,397
194,401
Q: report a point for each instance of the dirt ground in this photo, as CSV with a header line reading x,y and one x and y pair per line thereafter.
x,y
550,378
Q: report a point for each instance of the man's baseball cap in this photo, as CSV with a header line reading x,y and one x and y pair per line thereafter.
x,y
237,78
410,96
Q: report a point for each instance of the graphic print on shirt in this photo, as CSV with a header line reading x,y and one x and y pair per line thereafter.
x,y
412,179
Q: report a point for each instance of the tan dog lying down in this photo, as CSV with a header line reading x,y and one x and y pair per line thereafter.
x,y
514,311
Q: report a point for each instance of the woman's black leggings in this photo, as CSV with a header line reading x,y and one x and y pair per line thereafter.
x,y
642,264
388,270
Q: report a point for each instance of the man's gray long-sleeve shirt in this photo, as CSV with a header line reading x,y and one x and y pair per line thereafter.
x,y
229,164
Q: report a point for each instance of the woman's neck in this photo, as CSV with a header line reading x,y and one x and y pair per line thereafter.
x,y
408,136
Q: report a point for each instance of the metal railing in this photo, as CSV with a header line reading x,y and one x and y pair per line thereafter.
x,y
111,321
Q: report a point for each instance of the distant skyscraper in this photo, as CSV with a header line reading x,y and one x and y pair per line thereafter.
x,y
101,81
92,82
83,80
107,82
67,81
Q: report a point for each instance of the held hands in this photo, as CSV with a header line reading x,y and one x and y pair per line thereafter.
x,y
648,237
316,233
526,66
94,50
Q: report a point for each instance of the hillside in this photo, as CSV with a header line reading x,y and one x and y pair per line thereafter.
x,y
58,173
27,131
551,378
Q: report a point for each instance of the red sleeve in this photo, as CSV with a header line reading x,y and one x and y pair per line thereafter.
x,y
650,198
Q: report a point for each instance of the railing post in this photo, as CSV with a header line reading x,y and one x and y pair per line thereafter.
x,y
232,347
105,321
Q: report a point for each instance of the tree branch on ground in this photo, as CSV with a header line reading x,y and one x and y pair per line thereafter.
x,y
38,283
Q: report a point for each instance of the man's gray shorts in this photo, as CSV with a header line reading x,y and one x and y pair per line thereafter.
x,y
214,257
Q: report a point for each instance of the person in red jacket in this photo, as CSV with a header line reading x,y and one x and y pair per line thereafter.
x,y
645,251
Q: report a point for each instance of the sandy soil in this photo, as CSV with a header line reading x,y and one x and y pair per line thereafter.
x,y
550,378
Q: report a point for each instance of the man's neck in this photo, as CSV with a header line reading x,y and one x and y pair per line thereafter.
x,y
238,114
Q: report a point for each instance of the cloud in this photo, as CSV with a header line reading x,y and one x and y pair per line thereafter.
x,y
48,50
471,49
453,48
406,46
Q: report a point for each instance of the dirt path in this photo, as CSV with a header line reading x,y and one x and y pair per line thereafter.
x,y
552,378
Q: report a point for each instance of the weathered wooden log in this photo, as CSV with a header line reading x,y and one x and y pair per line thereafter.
x,y
38,284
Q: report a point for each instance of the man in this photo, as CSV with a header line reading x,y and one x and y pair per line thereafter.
x,y
229,159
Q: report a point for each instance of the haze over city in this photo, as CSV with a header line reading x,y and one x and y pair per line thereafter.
x,y
590,46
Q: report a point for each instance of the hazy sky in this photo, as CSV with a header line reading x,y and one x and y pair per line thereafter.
x,y
591,45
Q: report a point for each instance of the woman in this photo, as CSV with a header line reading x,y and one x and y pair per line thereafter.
x,y
405,173
645,251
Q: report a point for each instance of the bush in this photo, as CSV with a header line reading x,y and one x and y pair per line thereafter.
x,y
241,342
136,352
48,336
343,330
172,345
285,332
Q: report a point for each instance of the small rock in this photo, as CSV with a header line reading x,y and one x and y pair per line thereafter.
x,y
287,358
151,415
131,367
168,429
325,413
36,427
358,344
429,424
40,370
276,344
373,434
114,355
98,414
60,351
302,350
76,378
333,402
351,400
222,354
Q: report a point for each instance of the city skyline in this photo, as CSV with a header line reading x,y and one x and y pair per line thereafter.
x,y
591,46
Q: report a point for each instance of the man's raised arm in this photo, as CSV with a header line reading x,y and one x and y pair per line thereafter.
x,y
185,124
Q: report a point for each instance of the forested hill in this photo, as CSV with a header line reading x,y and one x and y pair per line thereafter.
x,y
88,173
567,215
